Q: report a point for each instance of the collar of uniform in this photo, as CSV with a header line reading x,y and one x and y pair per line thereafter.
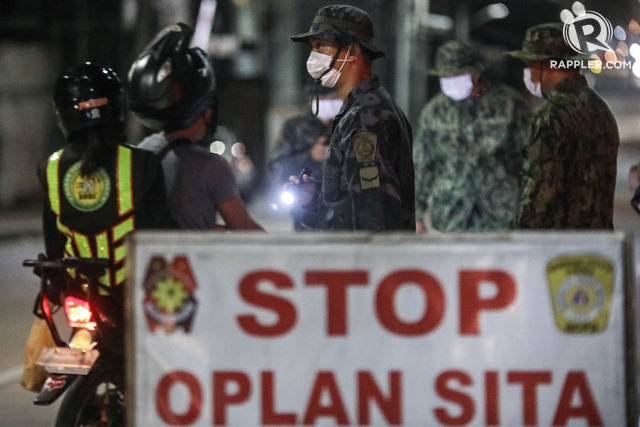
x,y
570,84
359,89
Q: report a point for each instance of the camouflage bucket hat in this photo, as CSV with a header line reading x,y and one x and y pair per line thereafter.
x,y
454,58
544,41
344,24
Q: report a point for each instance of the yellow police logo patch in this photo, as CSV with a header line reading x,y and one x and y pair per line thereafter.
x,y
86,193
581,289
369,177
365,146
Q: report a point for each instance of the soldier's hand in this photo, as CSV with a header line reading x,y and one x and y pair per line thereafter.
x,y
304,189
421,227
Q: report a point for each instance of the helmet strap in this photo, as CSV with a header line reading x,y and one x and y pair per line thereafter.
x,y
212,122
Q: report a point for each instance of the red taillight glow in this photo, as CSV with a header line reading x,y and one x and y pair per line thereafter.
x,y
78,313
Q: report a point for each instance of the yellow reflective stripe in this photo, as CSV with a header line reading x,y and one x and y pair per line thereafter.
x,y
102,249
119,231
125,191
68,246
63,228
102,243
121,275
82,243
53,182
119,253
106,281
122,229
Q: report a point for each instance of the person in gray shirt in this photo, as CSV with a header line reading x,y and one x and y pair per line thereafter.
x,y
172,91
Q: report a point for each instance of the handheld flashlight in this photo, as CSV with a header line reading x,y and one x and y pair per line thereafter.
x,y
288,197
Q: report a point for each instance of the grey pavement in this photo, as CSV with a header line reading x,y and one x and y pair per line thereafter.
x,y
18,222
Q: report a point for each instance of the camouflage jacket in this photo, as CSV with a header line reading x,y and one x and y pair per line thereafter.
x,y
570,169
368,181
468,159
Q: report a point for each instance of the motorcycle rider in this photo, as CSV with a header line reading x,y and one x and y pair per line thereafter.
x,y
97,189
172,91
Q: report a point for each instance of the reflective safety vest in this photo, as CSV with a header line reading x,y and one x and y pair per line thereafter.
x,y
88,194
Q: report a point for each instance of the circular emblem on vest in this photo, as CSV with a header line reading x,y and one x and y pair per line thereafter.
x,y
86,193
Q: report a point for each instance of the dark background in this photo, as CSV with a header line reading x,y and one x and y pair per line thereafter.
x,y
260,72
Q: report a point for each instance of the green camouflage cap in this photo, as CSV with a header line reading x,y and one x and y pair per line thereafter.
x,y
343,24
455,58
544,41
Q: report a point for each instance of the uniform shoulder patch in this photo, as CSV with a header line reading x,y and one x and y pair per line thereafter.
x,y
365,146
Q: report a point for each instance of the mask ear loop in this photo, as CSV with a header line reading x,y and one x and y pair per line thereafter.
x,y
316,88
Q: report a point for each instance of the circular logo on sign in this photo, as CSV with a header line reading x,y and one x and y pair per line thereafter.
x,y
86,193
581,298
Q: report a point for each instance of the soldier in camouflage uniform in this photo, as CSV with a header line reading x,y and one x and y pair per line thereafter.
x,y
570,166
468,148
303,143
368,181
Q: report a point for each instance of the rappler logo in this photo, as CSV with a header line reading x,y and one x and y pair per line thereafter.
x,y
588,32
169,303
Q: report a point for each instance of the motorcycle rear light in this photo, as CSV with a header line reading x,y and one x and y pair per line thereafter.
x,y
79,313
82,339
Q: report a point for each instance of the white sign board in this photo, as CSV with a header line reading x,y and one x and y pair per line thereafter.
x,y
378,330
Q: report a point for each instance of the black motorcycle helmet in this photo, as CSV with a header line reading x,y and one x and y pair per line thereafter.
x,y
88,95
170,84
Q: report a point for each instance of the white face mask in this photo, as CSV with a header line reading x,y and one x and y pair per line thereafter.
x,y
457,87
534,88
318,64
328,108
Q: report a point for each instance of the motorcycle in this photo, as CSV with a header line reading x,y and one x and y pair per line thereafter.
x,y
87,364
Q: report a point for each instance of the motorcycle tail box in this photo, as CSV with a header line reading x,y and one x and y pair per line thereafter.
x,y
63,360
